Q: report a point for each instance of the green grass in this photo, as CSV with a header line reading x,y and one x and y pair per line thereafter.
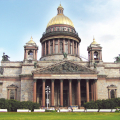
x,y
59,116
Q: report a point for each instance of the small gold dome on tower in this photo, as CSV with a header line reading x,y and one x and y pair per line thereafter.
x,y
60,18
94,42
60,6
31,40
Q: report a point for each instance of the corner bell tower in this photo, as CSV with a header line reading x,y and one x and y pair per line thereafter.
x,y
30,50
94,52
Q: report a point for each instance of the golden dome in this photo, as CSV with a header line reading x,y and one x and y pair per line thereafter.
x,y
94,42
60,6
60,18
31,40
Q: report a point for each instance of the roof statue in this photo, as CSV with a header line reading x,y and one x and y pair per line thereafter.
x,y
117,59
5,57
65,55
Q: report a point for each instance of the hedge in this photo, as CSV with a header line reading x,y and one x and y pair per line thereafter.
x,y
103,104
13,105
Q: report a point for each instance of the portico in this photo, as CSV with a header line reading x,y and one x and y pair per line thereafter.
x,y
66,80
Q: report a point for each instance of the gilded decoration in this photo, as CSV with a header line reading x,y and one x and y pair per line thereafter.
x,y
65,67
60,18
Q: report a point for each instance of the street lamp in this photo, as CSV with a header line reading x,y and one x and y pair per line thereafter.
x,y
47,91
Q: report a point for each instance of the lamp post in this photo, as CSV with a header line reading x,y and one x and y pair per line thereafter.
x,y
47,91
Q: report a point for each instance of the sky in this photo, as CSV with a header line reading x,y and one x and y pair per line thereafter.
x,y
21,19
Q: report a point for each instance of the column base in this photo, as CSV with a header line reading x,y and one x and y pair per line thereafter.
x,y
52,106
61,106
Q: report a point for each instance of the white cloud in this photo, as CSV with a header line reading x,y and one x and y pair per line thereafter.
x,y
106,30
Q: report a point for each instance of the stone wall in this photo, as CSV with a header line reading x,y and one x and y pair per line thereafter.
x,y
102,88
101,70
9,63
12,71
6,84
111,64
27,90
112,72
27,69
59,57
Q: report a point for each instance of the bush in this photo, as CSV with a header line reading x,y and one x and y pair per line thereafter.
x,y
103,104
2,103
29,105
13,105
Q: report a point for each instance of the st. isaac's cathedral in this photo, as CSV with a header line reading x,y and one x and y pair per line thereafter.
x,y
72,81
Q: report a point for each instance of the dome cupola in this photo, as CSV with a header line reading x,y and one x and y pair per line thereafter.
x,y
60,18
59,38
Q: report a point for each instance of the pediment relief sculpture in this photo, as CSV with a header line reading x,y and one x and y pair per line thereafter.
x,y
65,67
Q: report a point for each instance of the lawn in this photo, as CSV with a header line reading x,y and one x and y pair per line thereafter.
x,y
59,116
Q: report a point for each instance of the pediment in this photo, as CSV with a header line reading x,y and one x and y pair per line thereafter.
x,y
66,67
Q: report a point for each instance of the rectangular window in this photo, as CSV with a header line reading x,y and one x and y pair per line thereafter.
x,y
56,46
70,47
66,46
46,47
74,47
61,46
51,47
1,87
12,94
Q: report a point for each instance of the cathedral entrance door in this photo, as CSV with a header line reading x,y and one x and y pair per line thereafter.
x,y
65,98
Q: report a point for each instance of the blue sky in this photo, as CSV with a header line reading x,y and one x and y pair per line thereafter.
x,y
21,19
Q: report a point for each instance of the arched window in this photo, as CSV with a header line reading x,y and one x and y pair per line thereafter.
x,y
30,52
112,91
95,55
30,55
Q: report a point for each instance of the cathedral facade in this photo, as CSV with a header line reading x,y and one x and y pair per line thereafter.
x,y
72,81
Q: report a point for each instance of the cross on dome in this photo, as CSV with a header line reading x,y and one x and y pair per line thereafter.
x,y
94,42
31,40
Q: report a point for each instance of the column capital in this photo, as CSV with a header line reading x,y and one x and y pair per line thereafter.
x,y
52,80
43,80
70,80
95,80
61,80
78,80
87,80
34,80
